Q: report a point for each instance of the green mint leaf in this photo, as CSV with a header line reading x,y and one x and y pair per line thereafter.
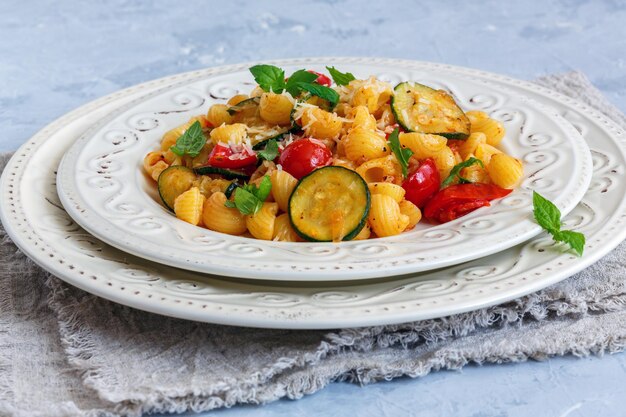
x,y
191,142
549,217
339,77
300,76
455,172
575,240
269,77
322,92
402,154
229,204
270,152
546,213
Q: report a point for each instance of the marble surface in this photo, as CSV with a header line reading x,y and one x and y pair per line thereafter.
x,y
59,55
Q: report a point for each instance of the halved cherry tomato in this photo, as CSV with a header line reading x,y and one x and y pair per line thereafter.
x,y
454,145
321,78
222,156
423,183
457,200
304,155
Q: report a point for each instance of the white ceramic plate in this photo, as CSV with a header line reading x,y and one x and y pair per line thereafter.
x,y
102,186
32,215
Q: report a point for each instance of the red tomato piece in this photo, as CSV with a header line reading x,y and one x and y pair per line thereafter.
x,y
321,78
455,145
222,156
304,155
456,210
422,184
457,200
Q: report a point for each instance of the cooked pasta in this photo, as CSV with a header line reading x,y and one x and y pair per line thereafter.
x,y
283,231
385,216
411,211
218,115
216,216
320,124
235,133
504,170
493,130
154,163
392,190
283,184
275,108
188,206
386,169
423,145
363,144
261,224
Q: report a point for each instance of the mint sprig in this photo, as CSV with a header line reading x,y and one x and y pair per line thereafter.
x,y
322,92
548,216
191,142
402,154
455,172
249,198
270,152
269,77
340,78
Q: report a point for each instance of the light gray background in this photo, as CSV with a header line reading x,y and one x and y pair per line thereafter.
x,y
58,55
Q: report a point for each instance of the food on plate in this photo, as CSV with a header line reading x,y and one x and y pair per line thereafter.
x,y
330,158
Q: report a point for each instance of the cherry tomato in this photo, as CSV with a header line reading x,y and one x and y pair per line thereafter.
x,y
303,156
455,145
321,78
457,200
222,156
423,183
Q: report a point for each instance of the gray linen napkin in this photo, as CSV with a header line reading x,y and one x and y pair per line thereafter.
x,y
64,352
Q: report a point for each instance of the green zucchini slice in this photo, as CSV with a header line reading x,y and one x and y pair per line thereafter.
x,y
419,108
243,105
231,188
229,174
262,144
329,204
174,181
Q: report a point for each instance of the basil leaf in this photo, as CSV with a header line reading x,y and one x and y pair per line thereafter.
x,y
246,202
322,92
300,76
575,240
269,77
191,142
456,172
339,77
546,213
548,216
402,154
249,198
270,152
265,186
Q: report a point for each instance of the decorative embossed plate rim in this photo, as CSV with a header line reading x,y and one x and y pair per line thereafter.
x,y
102,187
99,269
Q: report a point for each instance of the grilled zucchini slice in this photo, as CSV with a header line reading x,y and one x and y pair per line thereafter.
x,y
229,174
329,205
174,181
419,108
